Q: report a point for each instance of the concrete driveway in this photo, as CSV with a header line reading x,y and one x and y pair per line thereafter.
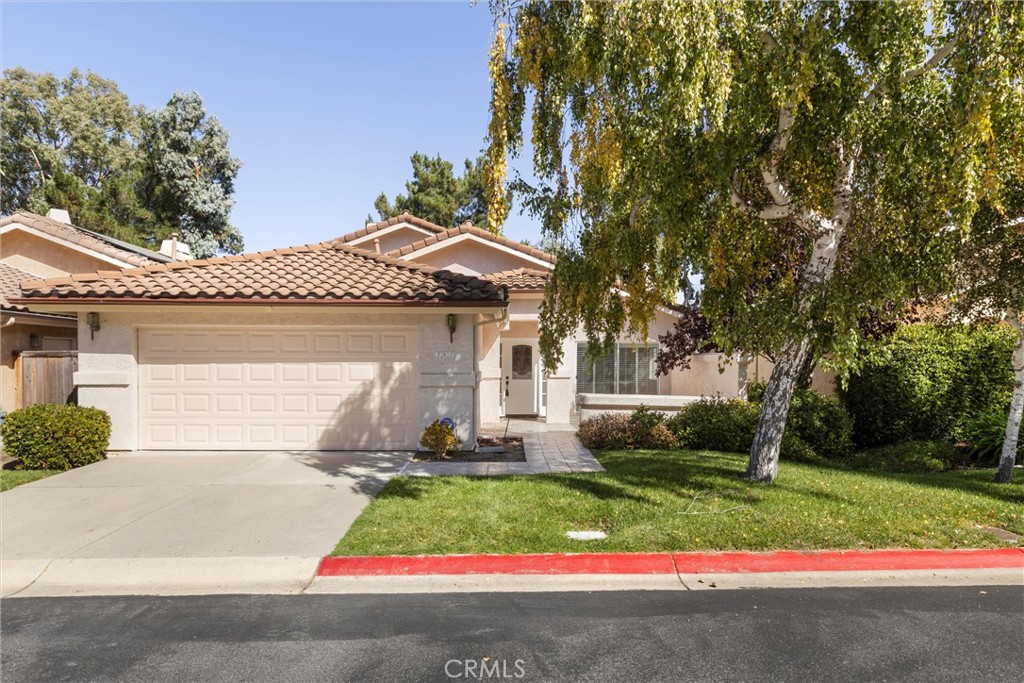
x,y
160,522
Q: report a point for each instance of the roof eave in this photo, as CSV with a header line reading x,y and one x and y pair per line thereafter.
x,y
60,304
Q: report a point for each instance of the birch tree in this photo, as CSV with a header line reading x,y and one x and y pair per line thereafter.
x,y
841,144
991,284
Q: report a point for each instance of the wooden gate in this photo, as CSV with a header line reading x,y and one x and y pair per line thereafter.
x,y
45,377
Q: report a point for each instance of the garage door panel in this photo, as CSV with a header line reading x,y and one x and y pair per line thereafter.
x,y
285,389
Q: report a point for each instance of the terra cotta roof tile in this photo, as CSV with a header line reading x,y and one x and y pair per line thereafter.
x,y
10,285
371,228
520,279
470,229
328,272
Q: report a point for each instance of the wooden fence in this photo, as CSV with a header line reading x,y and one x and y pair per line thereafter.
x,y
45,377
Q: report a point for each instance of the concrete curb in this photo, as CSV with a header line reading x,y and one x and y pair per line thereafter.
x,y
673,563
158,576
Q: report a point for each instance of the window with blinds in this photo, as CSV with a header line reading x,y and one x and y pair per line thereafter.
x,y
628,369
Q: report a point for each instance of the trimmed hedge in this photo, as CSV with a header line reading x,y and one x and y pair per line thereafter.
x,y
820,421
716,424
56,437
927,382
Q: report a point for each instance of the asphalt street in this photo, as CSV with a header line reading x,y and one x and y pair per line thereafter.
x,y
827,634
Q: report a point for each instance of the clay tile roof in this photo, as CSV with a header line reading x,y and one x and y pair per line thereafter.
x,y
317,273
520,279
470,229
102,244
394,220
10,285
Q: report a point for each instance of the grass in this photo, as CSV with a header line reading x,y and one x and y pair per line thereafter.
x,y
685,500
11,478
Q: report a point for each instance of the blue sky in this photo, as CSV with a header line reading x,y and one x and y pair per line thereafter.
x,y
324,102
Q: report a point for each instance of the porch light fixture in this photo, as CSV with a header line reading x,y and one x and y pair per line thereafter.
x,y
451,327
35,341
93,320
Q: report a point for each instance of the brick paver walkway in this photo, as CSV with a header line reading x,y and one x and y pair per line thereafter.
x,y
557,450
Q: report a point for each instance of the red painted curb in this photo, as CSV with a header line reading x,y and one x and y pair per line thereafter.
x,y
672,563
850,560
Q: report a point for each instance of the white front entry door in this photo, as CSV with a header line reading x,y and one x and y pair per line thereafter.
x,y
520,370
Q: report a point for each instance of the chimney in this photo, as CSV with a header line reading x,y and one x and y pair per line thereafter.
x,y
376,244
59,215
178,251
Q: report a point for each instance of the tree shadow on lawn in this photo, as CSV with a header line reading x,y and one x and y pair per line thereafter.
x,y
978,482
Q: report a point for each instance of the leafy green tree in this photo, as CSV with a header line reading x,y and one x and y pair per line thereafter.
x,y
814,161
189,174
71,143
990,269
437,195
78,143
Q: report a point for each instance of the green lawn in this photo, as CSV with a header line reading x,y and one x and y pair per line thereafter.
x,y
681,500
11,478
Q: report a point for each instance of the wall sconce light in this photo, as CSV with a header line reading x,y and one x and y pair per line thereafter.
x,y
35,341
93,320
451,327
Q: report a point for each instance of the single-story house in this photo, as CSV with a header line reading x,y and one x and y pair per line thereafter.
x,y
355,343
34,247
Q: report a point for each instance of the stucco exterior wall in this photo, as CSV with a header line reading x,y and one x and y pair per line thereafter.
x,y
476,257
108,365
15,338
46,257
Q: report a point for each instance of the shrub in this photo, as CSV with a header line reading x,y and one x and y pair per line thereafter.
x,y
717,424
819,421
440,438
909,456
647,430
925,382
56,437
607,431
643,428
984,435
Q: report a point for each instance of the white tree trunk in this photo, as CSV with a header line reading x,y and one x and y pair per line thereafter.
x,y
1009,455
763,465
771,426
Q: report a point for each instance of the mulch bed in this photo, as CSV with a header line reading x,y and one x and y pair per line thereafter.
x,y
512,445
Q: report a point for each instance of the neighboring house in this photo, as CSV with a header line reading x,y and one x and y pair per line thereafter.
x,y
33,247
357,343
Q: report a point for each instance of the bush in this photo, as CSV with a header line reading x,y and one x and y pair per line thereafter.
x,y
717,424
440,438
819,421
607,431
984,435
647,430
926,382
643,428
910,456
56,437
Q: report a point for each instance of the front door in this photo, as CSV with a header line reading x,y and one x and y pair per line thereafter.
x,y
520,369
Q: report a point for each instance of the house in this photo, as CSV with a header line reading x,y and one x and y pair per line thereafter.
x,y
356,343
33,247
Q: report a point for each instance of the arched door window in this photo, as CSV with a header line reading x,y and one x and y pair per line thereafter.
x,y
522,361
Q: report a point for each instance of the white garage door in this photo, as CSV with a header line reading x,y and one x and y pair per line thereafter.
x,y
300,389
